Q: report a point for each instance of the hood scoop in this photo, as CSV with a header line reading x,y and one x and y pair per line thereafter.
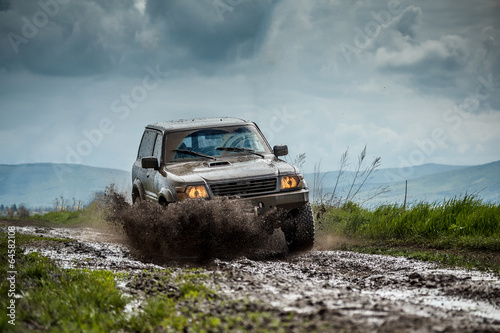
x,y
218,164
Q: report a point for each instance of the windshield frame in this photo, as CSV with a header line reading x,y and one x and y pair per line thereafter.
x,y
174,138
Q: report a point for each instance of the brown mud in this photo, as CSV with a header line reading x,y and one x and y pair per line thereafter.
x,y
325,290
194,230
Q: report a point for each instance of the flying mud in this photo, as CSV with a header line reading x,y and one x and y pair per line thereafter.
x,y
195,230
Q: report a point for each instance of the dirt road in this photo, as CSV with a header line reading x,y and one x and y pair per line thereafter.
x,y
349,291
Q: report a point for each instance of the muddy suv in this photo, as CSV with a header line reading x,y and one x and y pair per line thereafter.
x,y
207,158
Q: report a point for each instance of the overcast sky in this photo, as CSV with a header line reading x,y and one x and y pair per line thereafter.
x,y
416,81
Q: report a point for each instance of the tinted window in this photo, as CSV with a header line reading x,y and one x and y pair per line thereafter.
x,y
158,146
147,144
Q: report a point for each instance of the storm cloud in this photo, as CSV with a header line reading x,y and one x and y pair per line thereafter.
x,y
318,75
55,37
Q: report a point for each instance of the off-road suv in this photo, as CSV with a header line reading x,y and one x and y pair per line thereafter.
x,y
211,157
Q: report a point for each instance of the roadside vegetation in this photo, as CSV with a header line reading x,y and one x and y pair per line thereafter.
x,y
361,174
461,231
61,204
90,216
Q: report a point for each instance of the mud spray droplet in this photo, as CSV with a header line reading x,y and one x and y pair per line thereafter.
x,y
195,230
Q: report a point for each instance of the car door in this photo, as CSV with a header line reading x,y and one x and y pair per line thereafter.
x,y
157,176
146,176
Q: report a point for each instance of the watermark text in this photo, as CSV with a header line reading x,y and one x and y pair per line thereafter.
x,y
11,275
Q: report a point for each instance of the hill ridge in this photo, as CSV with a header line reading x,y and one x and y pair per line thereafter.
x,y
39,184
450,181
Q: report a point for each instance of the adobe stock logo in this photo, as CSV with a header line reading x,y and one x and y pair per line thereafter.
x,y
121,107
222,7
453,119
363,37
277,123
31,26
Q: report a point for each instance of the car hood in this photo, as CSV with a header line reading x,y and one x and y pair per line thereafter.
x,y
243,167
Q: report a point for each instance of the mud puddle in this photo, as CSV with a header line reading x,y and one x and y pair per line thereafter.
x,y
368,287
86,248
358,291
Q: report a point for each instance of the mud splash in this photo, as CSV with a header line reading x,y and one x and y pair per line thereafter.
x,y
195,230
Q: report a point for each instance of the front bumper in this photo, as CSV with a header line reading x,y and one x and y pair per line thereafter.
x,y
281,200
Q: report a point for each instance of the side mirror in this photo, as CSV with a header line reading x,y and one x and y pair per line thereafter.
x,y
150,162
280,150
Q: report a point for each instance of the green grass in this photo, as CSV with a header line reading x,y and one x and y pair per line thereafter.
x,y
465,222
92,216
444,257
51,298
60,217
457,225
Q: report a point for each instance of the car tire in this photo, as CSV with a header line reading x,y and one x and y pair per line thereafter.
x,y
299,229
136,197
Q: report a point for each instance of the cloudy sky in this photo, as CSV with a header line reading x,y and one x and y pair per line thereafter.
x,y
416,81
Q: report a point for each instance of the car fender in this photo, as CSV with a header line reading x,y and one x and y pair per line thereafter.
x,y
138,185
167,194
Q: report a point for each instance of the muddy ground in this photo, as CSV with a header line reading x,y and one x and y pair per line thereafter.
x,y
327,290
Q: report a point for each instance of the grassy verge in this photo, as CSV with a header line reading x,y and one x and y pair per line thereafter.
x,y
65,218
47,297
447,257
50,298
92,216
460,232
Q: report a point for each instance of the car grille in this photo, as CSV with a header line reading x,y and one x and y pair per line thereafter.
x,y
244,187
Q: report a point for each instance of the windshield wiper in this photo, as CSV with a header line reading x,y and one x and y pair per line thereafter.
x,y
194,153
238,149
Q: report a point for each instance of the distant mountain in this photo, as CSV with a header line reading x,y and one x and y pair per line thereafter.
x,y
483,180
38,185
429,182
389,175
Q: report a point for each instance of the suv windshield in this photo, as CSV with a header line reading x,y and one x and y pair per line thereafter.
x,y
214,142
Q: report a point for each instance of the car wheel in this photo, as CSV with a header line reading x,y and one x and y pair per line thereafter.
x,y
299,229
136,197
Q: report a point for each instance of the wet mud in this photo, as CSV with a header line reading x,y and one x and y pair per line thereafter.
x,y
326,290
195,230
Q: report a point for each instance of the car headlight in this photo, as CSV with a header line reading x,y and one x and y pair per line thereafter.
x,y
195,192
290,182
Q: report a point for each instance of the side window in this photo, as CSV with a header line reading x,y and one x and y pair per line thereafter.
x,y
158,146
147,144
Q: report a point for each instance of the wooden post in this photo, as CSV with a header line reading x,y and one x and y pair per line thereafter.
x,y
406,192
